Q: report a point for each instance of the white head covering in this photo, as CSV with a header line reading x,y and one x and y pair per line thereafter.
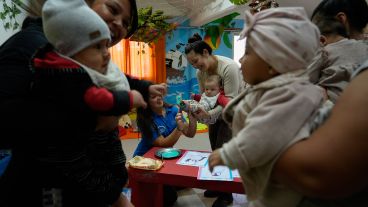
x,y
71,26
284,37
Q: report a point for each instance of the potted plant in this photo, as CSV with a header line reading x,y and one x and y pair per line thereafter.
x,y
151,26
8,14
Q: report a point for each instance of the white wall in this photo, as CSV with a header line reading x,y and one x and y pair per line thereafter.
x,y
5,34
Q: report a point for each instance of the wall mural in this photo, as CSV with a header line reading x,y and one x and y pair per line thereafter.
x,y
215,31
181,76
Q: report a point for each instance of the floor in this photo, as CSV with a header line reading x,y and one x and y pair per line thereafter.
x,y
189,197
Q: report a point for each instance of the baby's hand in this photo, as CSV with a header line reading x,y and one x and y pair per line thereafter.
x,y
215,159
138,100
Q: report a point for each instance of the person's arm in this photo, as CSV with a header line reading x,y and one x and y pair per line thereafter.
x,y
333,162
188,129
203,114
168,141
108,102
146,88
139,85
231,81
222,100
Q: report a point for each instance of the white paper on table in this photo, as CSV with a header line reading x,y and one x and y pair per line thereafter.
x,y
219,173
193,158
235,173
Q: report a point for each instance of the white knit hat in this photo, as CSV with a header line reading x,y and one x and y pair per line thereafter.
x,y
71,26
284,37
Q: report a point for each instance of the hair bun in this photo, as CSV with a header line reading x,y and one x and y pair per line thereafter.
x,y
196,37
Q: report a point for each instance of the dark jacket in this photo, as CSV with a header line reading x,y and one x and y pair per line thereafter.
x,y
51,146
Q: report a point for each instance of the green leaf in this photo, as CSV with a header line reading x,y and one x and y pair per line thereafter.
x,y
227,40
213,32
9,13
7,25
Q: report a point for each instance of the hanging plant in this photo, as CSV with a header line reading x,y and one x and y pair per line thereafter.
x,y
152,26
259,5
9,13
239,2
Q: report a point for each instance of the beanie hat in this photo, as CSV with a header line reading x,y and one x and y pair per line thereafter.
x,y
71,26
283,37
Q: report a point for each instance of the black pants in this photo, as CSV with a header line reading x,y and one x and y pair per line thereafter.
x,y
170,195
219,133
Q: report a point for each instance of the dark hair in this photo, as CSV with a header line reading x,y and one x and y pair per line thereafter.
x,y
133,18
355,10
196,44
328,26
145,121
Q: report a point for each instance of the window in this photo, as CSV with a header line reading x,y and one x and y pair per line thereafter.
x,y
239,48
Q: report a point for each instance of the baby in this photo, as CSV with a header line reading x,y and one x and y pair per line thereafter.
x,y
275,110
212,97
337,59
75,75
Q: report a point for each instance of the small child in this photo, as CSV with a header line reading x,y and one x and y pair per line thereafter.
x,y
275,110
74,73
339,57
212,97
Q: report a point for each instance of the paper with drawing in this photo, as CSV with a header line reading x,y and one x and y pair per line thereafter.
x,y
192,158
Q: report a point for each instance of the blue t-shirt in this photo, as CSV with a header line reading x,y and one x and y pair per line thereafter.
x,y
165,125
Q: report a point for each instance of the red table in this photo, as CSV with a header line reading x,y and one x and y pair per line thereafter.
x,y
147,186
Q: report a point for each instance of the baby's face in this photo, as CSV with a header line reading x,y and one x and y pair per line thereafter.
x,y
211,88
96,56
255,70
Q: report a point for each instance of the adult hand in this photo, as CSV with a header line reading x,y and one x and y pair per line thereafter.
x,y
215,159
138,100
201,114
158,89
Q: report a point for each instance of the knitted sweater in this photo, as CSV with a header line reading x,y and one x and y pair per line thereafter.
x,y
334,64
266,119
